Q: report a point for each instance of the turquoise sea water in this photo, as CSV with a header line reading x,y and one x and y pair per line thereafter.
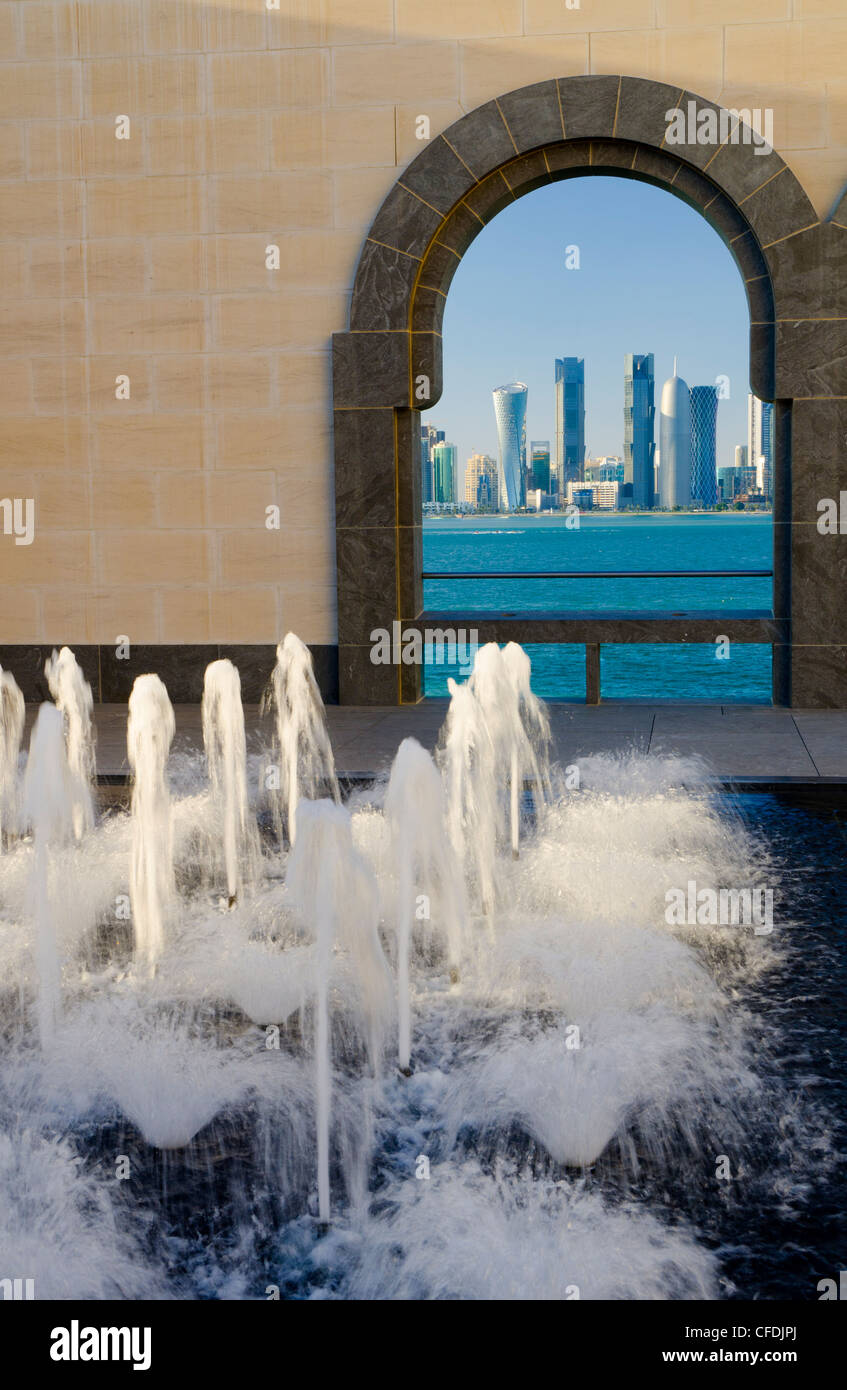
x,y
646,671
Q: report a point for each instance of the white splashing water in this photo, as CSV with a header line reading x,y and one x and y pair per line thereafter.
x,y
467,759
12,716
573,935
336,894
49,803
426,869
225,742
494,724
306,762
517,726
73,697
60,1225
530,716
149,734
467,1235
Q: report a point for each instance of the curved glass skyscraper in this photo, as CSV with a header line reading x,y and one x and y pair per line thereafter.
x,y
510,413
704,417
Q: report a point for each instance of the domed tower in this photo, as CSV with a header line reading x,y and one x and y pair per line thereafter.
x,y
675,443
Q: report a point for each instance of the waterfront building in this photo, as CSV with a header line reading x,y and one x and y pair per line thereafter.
x,y
728,483
760,443
570,420
606,495
608,469
580,495
639,425
675,443
539,465
704,418
444,474
510,414
603,496
430,436
481,488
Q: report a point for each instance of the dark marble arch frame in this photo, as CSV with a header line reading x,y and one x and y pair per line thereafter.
x,y
794,269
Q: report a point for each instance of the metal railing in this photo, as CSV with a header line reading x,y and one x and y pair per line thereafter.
x,y
597,574
593,629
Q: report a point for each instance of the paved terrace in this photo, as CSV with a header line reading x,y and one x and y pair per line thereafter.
x,y
741,743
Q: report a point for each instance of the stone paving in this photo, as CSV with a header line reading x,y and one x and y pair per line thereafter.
x,y
739,742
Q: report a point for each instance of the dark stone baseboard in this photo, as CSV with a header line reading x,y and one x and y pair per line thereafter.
x,y
181,667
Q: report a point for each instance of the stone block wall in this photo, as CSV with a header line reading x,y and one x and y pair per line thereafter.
x,y
145,258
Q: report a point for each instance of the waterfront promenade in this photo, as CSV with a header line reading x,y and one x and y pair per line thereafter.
x,y
741,743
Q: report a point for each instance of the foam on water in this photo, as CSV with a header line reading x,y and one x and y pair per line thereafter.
x,y
467,1234
62,1227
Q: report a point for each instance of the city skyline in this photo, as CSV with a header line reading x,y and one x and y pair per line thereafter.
x,y
514,308
680,470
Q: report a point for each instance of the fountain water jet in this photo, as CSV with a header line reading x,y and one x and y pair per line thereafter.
x,y
514,718
49,804
73,697
534,720
226,755
425,862
466,757
307,766
592,1048
12,715
334,891
149,733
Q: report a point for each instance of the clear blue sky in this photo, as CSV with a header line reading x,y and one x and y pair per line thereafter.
x,y
653,277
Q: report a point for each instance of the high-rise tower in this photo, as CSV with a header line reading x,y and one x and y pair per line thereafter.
x,y
570,420
540,472
510,413
430,436
704,418
675,443
444,473
639,445
481,481
760,443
